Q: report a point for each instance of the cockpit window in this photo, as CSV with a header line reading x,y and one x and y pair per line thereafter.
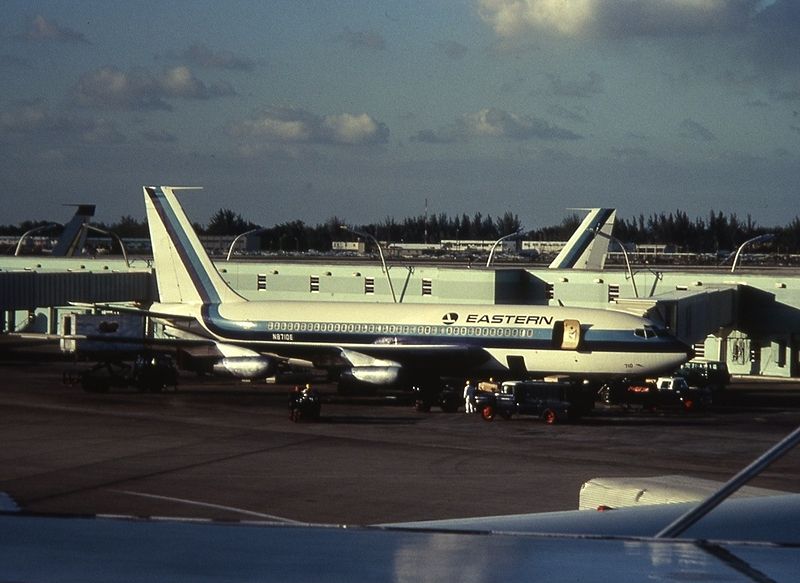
x,y
648,332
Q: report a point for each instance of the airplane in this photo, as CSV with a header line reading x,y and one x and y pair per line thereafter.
x,y
384,345
73,237
587,248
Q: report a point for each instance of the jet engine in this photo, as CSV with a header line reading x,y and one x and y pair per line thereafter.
x,y
371,375
245,367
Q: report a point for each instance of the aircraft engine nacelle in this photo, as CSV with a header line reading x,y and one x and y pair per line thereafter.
x,y
245,367
372,375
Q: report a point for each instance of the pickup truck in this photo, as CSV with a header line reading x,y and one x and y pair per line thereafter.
x,y
663,393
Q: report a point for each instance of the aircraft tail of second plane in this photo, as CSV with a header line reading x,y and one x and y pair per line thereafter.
x,y
588,246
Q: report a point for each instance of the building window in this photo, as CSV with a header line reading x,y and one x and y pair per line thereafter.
x,y
427,287
261,282
369,285
613,292
313,284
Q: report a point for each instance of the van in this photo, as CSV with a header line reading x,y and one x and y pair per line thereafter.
x,y
712,374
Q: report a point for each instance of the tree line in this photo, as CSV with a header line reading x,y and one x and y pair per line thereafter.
x,y
712,234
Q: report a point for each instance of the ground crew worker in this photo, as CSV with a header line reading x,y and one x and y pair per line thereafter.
x,y
469,397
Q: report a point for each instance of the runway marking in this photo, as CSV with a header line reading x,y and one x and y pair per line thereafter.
x,y
215,506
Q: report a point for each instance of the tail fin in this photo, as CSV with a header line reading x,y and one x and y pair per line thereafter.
x,y
184,271
73,237
588,246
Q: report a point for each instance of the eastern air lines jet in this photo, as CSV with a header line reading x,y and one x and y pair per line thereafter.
x,y
387,344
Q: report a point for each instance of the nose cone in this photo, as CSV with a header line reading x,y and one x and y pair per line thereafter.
x,y
677,352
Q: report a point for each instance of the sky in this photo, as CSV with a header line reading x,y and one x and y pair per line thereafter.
x,y
364,110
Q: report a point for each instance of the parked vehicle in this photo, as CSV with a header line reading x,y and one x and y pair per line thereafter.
x,y
713,374
447,398
151,373
304,405
663,393
550,401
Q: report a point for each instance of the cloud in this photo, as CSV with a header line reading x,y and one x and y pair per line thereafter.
x,y
573,115
618,18
202,56
102,132
696,131
495,123
139,89
576,88
33,117
354,129
43,30
452,49
33,120
294,125
362,39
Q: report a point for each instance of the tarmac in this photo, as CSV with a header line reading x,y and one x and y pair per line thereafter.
x,y
226,450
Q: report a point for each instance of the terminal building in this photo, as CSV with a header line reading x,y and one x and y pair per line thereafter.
x,y
749,318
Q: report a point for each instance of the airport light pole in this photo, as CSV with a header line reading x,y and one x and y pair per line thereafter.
x,y
239,236
628,265
113,235
33,230
380,254
500,240
758,239
625,256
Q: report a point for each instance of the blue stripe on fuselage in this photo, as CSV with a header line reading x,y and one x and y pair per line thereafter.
x,y
594,340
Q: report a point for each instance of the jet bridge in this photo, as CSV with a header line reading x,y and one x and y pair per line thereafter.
x,y
27,291
690,313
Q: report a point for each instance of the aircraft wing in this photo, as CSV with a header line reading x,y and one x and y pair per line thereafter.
x,y
88,549
766,519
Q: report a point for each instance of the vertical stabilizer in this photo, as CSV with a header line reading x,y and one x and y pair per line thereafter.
x,y
73,237
588,246
184,271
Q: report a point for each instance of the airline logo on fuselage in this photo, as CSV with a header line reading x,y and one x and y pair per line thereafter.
x,y
515,319
450,318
